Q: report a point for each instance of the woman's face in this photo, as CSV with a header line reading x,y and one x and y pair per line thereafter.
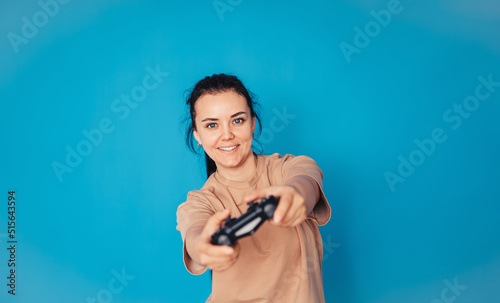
x,y
224,126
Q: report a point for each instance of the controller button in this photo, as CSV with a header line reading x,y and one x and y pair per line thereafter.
x,y
269,210
224,240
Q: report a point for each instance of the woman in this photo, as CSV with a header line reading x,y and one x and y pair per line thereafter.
x,y
281,262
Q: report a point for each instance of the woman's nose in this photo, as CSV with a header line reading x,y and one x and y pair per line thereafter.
x,y
227,133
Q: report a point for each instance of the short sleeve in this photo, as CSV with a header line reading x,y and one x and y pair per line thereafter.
x,y
305,166
194,212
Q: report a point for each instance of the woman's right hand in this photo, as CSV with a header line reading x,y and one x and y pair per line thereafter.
x,y
215,257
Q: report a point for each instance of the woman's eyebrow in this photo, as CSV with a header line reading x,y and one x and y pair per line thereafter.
x,y
232,116
209,119
237,114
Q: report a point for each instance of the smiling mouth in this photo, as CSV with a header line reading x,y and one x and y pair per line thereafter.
x,y
228,148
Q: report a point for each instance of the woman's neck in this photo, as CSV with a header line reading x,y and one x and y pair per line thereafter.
x,y
242,172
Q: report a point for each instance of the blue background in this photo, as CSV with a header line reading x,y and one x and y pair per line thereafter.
x,y
355,114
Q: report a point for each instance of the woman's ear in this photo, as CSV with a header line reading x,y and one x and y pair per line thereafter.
x,y
196,136
253,124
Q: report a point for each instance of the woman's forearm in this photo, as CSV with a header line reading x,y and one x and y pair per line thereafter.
x,y
307,188
192,239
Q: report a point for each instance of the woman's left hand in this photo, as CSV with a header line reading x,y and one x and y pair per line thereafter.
x,y
291,210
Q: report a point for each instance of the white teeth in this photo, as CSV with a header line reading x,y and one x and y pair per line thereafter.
x,y
227,148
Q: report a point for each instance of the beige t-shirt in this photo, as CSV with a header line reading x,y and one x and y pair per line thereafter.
x,y
276,264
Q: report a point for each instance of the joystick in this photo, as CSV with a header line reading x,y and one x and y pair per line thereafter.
x,y
247,224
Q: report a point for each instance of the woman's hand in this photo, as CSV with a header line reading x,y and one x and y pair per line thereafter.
x,y
291,210
215,257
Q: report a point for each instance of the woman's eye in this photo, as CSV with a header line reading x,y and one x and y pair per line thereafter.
x,y
211,125
239,121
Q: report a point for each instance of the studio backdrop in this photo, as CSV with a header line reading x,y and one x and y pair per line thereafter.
x,y
398,102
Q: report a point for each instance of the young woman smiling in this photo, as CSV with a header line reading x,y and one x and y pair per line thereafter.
x,y
281,262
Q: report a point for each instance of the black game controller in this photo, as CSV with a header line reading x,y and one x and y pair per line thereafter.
x,y
247,224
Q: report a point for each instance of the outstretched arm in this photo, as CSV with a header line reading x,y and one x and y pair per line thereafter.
x,y
203,252
298,196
